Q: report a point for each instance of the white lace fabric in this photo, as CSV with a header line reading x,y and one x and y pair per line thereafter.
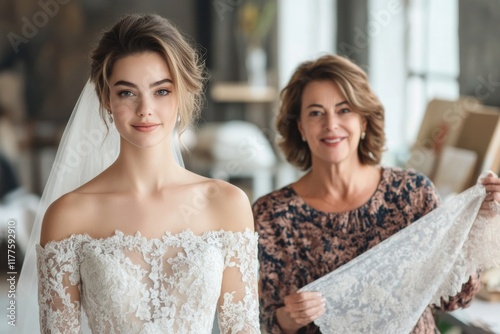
x,y
132,284
386,289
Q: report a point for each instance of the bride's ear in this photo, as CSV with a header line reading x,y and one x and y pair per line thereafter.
x,y
107,106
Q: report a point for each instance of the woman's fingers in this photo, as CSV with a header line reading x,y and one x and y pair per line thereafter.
x,y
492,196
308,315
304,307
492,188
303,300
492,183
300,309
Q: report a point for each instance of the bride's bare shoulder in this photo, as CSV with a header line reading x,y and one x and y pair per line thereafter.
x,y
67,216
230,205
224,205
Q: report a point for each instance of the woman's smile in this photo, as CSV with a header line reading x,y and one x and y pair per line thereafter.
x,y
332,141
145,127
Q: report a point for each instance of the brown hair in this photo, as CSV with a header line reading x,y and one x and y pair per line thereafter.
x,y
353,83
136,33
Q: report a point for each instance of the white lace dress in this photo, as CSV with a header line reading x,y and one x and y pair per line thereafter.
x,y
132,284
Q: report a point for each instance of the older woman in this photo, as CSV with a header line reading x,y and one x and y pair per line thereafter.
x,y
332,126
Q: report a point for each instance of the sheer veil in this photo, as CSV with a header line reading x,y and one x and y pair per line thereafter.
x,y
87,148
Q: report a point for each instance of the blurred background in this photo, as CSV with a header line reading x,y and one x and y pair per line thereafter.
x,y
433,64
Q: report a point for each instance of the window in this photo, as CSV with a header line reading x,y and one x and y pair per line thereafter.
x,y
413,58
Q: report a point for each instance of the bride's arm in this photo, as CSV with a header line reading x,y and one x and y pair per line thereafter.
x,y
58,287
58,270
238,306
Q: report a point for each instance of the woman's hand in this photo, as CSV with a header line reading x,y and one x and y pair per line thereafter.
x,y
492,186
300,309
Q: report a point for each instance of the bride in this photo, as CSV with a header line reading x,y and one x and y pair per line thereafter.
x,y
145,246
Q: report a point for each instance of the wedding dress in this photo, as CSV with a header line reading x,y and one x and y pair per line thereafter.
x,y
386,289
128,283
131,284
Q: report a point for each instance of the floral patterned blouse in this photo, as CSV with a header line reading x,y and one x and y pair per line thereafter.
x,y
299,244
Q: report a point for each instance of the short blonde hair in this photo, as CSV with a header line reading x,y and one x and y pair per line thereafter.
x,y
137,33
353,83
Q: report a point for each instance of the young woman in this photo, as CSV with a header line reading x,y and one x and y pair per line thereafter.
x,y
145,246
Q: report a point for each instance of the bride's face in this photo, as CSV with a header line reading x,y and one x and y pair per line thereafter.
x,y
143,99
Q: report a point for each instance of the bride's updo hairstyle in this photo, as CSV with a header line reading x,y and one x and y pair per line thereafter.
x,y
137,33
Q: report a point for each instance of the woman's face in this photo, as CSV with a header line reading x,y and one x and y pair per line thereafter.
x,y
331,127
143,99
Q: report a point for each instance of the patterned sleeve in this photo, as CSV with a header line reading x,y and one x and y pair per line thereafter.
x,y
238,305
58,287
430,200
464,297
270,265
427,196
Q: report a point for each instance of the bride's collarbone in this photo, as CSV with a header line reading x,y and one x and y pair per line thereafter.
x,y
195,207
150,220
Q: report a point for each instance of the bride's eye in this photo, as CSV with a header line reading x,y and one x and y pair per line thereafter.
x,y
125,93
163,92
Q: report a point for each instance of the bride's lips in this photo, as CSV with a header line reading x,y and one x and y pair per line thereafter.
x,y
145,127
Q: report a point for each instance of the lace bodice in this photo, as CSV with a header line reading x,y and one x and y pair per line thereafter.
x,y
132,284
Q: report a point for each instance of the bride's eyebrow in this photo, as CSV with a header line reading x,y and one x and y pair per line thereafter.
x,y
132,85
125,83
161,82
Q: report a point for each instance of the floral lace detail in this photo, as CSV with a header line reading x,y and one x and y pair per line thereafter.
x,y
132,284
386,289
238,317
58,291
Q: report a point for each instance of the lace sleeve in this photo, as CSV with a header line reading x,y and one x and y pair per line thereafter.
x,y
238,303
58,287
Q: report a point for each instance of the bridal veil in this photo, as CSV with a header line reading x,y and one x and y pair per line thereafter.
x,y
87,147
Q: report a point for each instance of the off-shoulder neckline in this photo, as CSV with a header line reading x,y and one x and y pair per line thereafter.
x,y
138,236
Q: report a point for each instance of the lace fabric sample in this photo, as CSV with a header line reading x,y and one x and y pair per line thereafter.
x,y
386,289
131,284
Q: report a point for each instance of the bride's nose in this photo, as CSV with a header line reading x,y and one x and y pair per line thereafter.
x,y
144,108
